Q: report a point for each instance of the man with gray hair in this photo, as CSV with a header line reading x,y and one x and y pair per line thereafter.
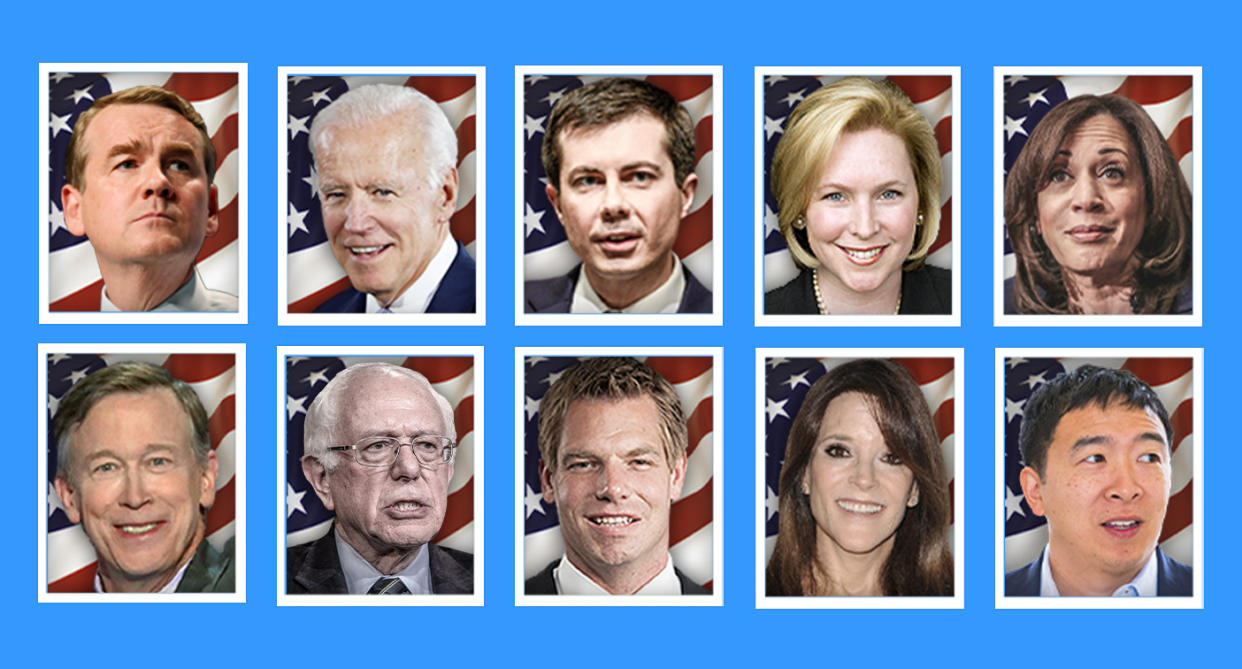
x,y
379,450
134,466
386,161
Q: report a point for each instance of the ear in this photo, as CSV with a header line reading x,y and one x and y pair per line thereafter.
x,y
688,188
545,482
71,207
805,484
207,496
1032,488
913,500
317,475
213,211
554,200
447,202
677,478
68,499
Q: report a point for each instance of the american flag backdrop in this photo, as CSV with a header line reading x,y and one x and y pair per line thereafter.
x,y
932,95
314,276
452,377
1168,100
787,381
70,556
1171,378
74,283
690,521
547,252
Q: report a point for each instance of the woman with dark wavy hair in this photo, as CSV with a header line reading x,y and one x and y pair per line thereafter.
x,y
1098,214
864,494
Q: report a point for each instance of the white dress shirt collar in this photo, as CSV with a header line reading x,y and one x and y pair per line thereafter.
x,y
571,581
417,297
193,295
1144,583
662,300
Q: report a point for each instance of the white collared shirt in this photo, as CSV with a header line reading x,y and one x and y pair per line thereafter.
x,y
193,295
662,300
570,581
417,297
1144,583
171,586
360,575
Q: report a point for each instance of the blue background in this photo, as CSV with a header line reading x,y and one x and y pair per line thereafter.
x,y
974,35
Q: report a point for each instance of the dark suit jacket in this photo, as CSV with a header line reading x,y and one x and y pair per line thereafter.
x,y
315,568
926,290
544,583
556,295
1173,579
455,294
210,570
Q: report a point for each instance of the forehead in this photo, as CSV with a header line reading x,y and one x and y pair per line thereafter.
x,y
128,418
385,144
1116,421
1099,132
605,426
875,154
637,137
849,413
388,404
143,123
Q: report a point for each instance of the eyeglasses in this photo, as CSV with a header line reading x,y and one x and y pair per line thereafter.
x,y
431,450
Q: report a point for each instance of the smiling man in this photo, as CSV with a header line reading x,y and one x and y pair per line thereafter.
x,y
612,443
136,469
138,174
619,155
380,444
1096,443
386,161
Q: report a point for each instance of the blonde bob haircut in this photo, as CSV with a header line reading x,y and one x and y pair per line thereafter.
x,y
852,104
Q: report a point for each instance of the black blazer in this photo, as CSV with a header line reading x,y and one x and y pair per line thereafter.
x,y
210,570
926,290
556,295
454,295
544,583
1173,579
315,568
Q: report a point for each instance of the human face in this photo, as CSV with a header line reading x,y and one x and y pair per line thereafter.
x,y
619,200
1093,209
385,513
1104,490
385,216
145,197
137,489
859,490
613,488
861,219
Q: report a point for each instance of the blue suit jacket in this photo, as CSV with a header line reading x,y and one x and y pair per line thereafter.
x,y
455,294
556,295
1173,579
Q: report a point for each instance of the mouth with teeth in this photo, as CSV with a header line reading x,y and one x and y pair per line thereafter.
x,y
367,252
137,530
609,522
863,256
864,508
407,508
1122,528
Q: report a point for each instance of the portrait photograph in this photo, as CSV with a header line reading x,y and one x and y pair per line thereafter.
x,y
382,174
1100,466
618,481
143,453
381,468
858,474
857,196
1098,195
618,214
144,168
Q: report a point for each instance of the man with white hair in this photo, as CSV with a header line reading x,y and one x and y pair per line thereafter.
x,y
386,160
379,450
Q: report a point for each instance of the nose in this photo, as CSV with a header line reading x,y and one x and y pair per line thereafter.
x,y
1086,196
155,182
863,224
358,216
135,494
1124,486
611,484
406,467
616,206
863,474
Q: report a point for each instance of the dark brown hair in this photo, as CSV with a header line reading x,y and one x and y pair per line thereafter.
x,y
1165,250
920,563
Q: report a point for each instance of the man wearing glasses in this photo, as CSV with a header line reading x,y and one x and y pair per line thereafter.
x,y
379,444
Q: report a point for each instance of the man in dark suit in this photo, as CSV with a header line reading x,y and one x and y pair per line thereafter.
x,y
386,160
612,443
380,445
619,155
134,466
1096,443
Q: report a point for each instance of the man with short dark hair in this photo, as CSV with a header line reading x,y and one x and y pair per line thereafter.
x,y
379,449
612,443
139,172
136,469
619,156
1097,448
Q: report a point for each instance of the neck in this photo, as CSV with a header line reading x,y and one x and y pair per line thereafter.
x,y
151,583
841,299
841,573
1101,293
142,287
1072,582
621,292
387,560
622,579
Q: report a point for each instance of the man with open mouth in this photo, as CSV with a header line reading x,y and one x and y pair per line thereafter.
x,y
1097,448
379,450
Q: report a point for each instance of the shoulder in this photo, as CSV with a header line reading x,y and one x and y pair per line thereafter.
x,y
542,583
455,294
1174,579
1024,581
551,296
795,297
696,298
452,571
688,586
927,290
314,567
211,570
348,301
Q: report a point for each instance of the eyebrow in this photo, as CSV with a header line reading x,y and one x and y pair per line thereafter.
x,y
109,453
1103,440
1103,151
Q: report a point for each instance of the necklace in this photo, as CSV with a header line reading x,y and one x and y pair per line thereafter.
x,y
819,296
